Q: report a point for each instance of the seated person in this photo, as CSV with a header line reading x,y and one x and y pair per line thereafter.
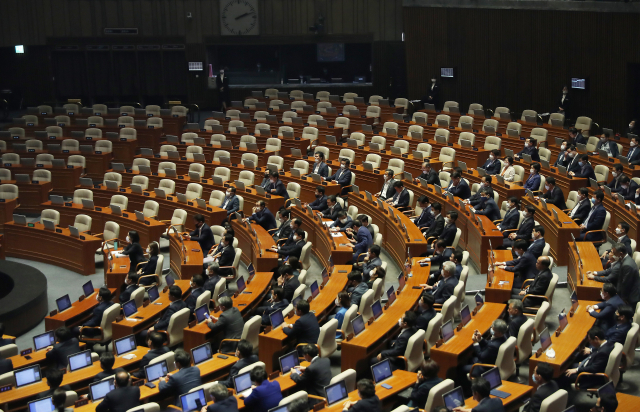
x,y
319,166
554,194
628,188
618,333
426,312
130,285
377,273
595,362
621,231
292,249
342,223
368,402
594,220
546,386
320,204
516,317
609,275
573,160
133,250
66,345
88,328
586,170
176,305
477,199
155,341
371,261
441,254
333,207
563,158
633,155
608,146
533,181
606,317
276,187
508,171
387,191
524,266
212,277
265,395
107,360
266,180
149,269
399,345
485,351
428,174
456,257
539,285
583,206
511,217
284,230
278,302
443,289
356,287
244,353
225,257
576,136
481,389
123,398
437,224
459,187
616,174
426,379
197,289
492,166
426,216
363,240
314,377
202,234
181,381
537,246
54,380
222,400
343,302
229,323
231,203
262,216
343,175
524,231
450,229
488,207
401,196
306,328
531,149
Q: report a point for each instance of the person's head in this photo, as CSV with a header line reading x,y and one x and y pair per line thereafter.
x,y
605,136
278,294
342,217
535,168
436,208
258,375
283,215
448,269
261,205
429,369
426,167
563,145
296,223
531,142
441,245
624,182
426,301
344,163
107,360
225,303
343,300
54,377
299,405
388,174
617,170
619,250
319,156
452,216
331,200
175,293
530,211
63,334
509,160
498,328
228,240
231,191
366,389
357,224
319,191
572,151
486,181
122,379
212,268
182,358
495,154
583,193
153,249
456,257
543,373
244,349
104,294
364,219
155,340
634,141
197,281
551,183
309,352
596,336
354,278
59,398
274,176
302,308
565,89
607,402
584,159
299,235
133,237
198,220
423,201
218,392
513,202
537,232
409,320
573,132
455,178
398,186
378,272
374,251
480,387
294,262
624,314
608,291
485,192
520,246
543,263
228,230
515,307
286,271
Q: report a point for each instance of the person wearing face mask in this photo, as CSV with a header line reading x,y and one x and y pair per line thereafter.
x,y
628,282
608,146
425,311
426,217
399,345
277,302
277,187
554,194
262,216
266,181
511,218
433,94
531,149
488,207
539,285
306,328
573,160
633,155
565,103
376,273
320,204
244,353
595,219
594,363
202,234
449,231
628,188
618,332
333,208
621,231
459,186
228,230
284,230
211,277
231,203
563,158
91,328
197,289
477,200
611,272
133,250
387,190
320,167
492,166
632,129
533,181
616,175
362,240
524,266
543,378
294,225
342,223
537,241
342,176
508,172
314,377
130,285
523,232
439,254
295,247
401,197
371,261
229,323
343,303
225,257
586,170
147,273
582,208
356,287
222,83
443,289
606,318
485,351
428,174
576,137
516,317
437,225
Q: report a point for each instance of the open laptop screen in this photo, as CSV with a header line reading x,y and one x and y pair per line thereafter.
x,y
63,303
43,340
129,308
156,371
27,376
193,401
381,371
87,288
153,293
201,353
493,377
80,360
201,313
288,361
100,389
357,324
336,392
447,331
454,399
277,318
41,405
376,308
125,344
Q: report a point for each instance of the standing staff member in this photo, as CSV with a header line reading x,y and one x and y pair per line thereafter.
x,y
222,83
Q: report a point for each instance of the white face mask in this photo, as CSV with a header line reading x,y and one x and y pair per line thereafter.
x,y
632,143
532,171
492,332
97,297
625,187
343,221
618,231
603,139
563,147
400,322
148,250
546,187
631,125
228,194
432,213
447,220
386,177
533,236
433,80
424,171
526,144
602,295
343,166
491,157
614,174
128,239
295,238
337,302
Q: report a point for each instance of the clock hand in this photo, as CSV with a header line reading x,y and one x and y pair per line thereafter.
x,y
243,15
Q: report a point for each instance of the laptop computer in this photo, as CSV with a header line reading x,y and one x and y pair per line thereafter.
x,y
87,288
20,220
63,303
545,339
493,377
201,353
27,376
288,361
357,324
44,340
129,308
124,345
156,371
49,224
381,371
44,404
193,401
277,319
336,392
100,389
79,360
242,383
376,308
453,399
201,313
111,184
508,153
447,331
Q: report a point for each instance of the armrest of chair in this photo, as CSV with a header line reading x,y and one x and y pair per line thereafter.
x,y
536,296
305,344
157,281
509,230
233,269
99,235
109,240
486,365
582,374
94,339
447,163
424,229
227,340
281,241
141,263
497,221
431,238
595,231
526,282
566,210
272,231
361,255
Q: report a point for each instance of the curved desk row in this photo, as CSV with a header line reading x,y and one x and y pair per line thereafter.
x,y
97,163
620,214
63,179
582,260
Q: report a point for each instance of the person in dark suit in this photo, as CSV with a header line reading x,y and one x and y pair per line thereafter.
x,y
231,202
524,231
481,389
230,324
387,191
342,176
313,378
186,378
524,266
628,188
149,267
516,317
611,273
476,199
586,170
633,155
583,206
342,223
616,174
440,254
450,229
288,282
485,351
543,378
266,180
618,332
433,93
211,276
333,207
87,329
533,181
284,230
443,289
489,208
222,400
6,365
371,261
197,289
595,219
133,250
629,282
67,345
456,257
369,401
632,129
426,312
596,360
320,167
554,194
399,345
225,257
306,329
511,217
277,187
176,305
492,166
320,204
244,352
531,149
459,187
537,246
278,302
539,285
265,395
608,146
428,174
362,241
606,318
573,160
294,248
107,360
356,287
576,137
4,341
54,380
222,84
426,379
123,397
203,234
563,158
401,197
437,225
130,285
565,102
155,342
263,216
426,217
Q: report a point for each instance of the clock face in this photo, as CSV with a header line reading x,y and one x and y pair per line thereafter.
x,y
239,17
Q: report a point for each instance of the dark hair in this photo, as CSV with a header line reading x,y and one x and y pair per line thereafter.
x,y
536,166
320,154
232,189
453,215
154,249
299,405
279,292
509,159
545,261
341,213
286,270
59,398
626,311
275,174
423,199
198,280
344,299
262,203
456,175
156,338
182,357
363,218
495,152
584,157
609,402
229,239
488,179
481,386
610,289
531,210
583,191
618,167
54,377
532,140
389,172
300,233
245,348
436,206
458,256
624,179
428,299
573,130
429,368
198,218
175,291
63,334
297,221
134,236
303,306
320,189
380,272
545,370
551,180
375,249
441,243
258,374
107,360
486,191
357,223
521,244
284,213
398,183
366,388
624,225
311,350
595,332
599,194
332,198
346,161
357,276
105,293
410,318
122,379
294,262
539,229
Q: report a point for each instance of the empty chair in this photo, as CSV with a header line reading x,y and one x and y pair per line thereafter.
x,y
113,176
222,172
302,165
121,201
469,137
327,338
288,116
140,162
234,124
260,115
293,189
397,165
465,122
583,123
310,133
374,159
44,159
443,120
62,120
216,198
16,131
155,122
273,144
373,111
246,139
178,220
249,156
41,175
217,138
374,99
209,123
80,194
95,121
500,109
30,119
275,104
250,103
45,109
83,223
473,107
8,191
142,181
540,134
93,132
109,235
191,150
528,113
342,123
296,94
359,137
5,174
104,146
276,160
514,127
414,128
490,123
322,106
194,191
180,111
10,158
99,109
168,186
323,96
71,108
380,141
197,168
151,207
166,165
425,149
492,142
448,104
188,137
50,214
233,114
389,125
71,145
447,157
128,133
248,177
125,121
54,131
153,110
347,153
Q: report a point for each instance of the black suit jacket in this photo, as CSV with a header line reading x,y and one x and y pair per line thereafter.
x,y
597,361
425,219
293,249
420,392
280,188
510,220
489,405
543,392
445,288
487,350
462,190
556,197
96,317
320,204
531,151
561,160
492,167
315,377
634,155
58,355
305,329
332,214
265,219
537,247
230,323
284,231
613,147
540,283
174,307
289,288
490,210
525,265
237,367
424,319
390,191
618,333
323,169
136,255
586,171
6,365
399,345
205,238
367,405
629,281
193,298
606,318
449,234
573,164
436,227
227,257
120,400
525,229
229,404
583,211
432,177
401,198
126,294
514,325
148,357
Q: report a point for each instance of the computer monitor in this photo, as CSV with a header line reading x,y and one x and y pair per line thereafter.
x,y
574,296
242,382
545,339
170,280
252,270
479,299
391,295
314,289
401,281
357,324
156,371
447,331
563,320
79,360
376,308
277,318
454,398
125,345
63,303
153,293
87,288
27,376
129,308
193,401
43,340
100,389
381,371
241,284
325,275
336,392
201,353
465,314
288,361
493,377
201,313
41,405
606,388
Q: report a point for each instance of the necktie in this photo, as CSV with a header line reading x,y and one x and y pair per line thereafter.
x,y
630,154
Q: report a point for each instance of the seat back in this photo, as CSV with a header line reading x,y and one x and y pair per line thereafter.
x,y
365,305
327,338
458,292
492,142
505,360
299,395
251,330
613,365
432,333
305,255
546,249
539,322
524,341
177,323
556,402
435,394
151,208
583,123
490,123
470,137
348,153
83,223
448,104
379,140
601,172
8,351
414,353
249,368
349,315
448,308
169,357
299,292
349,378
378,289
474,106
397,165
108,318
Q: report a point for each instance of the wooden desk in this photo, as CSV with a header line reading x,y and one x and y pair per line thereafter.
x,y
185,262
146,317
586,289
37,358
627,403
149,230
97,163
453,352
567,343
556,236
115,270
255,249
274,343
76,314
7,209
518,393
505,191
565,183
357,352
63,180
324,244
75,254
619,214
496,292
235,152
31,196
